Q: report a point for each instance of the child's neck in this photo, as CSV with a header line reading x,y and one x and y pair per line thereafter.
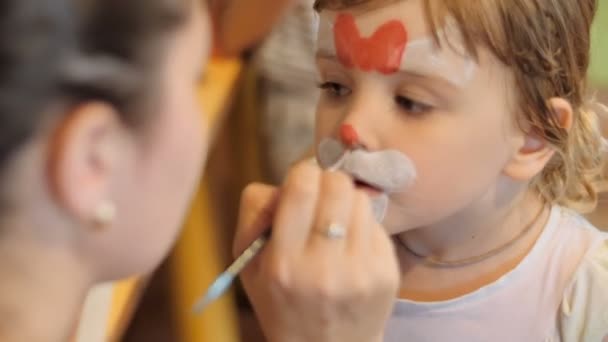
x,y
469,235
475,231
42,289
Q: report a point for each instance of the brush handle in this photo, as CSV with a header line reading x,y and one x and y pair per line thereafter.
x,y
224,281
245,258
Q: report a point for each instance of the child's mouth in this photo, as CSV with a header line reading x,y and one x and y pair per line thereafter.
x,y
368,188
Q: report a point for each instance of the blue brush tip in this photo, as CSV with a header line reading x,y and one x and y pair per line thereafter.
x,y
215,291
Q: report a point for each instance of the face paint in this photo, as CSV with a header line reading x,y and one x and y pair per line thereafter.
x,y
378,41
381,52
388,171
349,135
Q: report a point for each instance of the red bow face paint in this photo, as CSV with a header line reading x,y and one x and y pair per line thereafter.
x,y
378,41
381,52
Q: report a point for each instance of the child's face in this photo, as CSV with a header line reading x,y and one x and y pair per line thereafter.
x,y
449,114
155,192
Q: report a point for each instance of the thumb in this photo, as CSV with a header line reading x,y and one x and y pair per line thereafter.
x,y
258,205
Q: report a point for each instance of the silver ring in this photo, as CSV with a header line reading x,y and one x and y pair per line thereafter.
x,y
335,231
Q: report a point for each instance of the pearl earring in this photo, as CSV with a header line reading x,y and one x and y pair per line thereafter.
x,y
105,213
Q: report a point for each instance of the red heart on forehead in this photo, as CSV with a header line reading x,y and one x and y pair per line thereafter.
x,y
381,52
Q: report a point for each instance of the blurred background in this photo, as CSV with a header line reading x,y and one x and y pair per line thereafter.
x,y
267,126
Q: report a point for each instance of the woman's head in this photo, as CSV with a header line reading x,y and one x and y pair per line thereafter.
x,y
486,97
100,134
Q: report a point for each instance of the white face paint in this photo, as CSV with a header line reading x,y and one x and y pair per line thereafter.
x,y
421,55
388,171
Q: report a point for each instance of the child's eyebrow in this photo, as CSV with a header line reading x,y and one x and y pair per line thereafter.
x,y
416,74
438,81
431,76
325,54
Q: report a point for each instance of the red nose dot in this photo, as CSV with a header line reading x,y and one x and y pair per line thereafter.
x,y
348,135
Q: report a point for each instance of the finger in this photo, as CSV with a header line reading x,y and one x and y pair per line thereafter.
x,y
382,246
258,205
362,224
296,209
334,209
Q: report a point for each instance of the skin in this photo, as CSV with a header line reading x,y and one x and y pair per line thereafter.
x,y
336,290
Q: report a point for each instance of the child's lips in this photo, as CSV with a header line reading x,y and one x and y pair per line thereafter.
x,y
370,189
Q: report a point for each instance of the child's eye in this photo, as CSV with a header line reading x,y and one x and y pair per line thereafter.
x,y
334,89
411,106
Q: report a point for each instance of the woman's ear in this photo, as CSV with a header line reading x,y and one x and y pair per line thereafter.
x,y
533,153
85,152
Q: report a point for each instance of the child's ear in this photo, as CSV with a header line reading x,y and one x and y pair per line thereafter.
x,y
85,155
533,152
562,109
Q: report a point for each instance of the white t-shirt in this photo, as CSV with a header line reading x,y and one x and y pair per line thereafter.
x,y
559,292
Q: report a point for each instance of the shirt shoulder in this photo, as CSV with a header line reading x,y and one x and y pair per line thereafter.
x,y
583,312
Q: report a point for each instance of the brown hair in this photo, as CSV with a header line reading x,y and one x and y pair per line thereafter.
x,y
58,53
547,45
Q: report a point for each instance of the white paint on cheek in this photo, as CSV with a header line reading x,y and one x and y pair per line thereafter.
x,y
389,170
379,207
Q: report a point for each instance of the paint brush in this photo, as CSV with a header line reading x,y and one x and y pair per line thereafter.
x,y
225,280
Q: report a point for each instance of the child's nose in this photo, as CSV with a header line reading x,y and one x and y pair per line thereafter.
x,y
349,135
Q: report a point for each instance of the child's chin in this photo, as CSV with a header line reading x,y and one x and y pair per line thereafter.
x,y
394,223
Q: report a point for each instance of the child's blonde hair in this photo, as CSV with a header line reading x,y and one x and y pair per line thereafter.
x,y
547,46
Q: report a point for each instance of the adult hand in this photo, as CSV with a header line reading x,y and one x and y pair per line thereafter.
x,y
309,283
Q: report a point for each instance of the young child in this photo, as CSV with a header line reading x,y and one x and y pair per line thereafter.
x,y
467,126
487,99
